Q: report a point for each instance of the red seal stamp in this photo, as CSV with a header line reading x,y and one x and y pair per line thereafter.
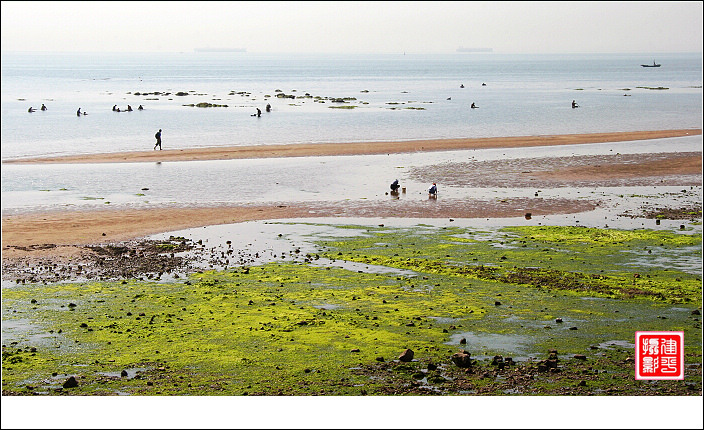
x,y
659,355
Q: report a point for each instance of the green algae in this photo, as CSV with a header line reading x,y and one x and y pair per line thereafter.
x,y
302,329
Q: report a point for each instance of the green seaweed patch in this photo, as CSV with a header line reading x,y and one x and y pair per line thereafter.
x,y
342,107
571,234
596,262
332,328
654,88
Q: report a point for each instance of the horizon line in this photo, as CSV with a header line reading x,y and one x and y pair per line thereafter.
x,y
244,51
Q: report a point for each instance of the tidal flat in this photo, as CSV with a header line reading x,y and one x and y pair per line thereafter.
x,y
349,310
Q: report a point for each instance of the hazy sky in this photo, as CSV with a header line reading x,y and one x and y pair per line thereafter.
x,y
327,27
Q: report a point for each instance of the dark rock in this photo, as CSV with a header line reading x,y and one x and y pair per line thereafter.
x,y
381,359
406,355
497,303
463,341
580,356
462,359
558,320
70,383
528,215
696,312
123,373
355,350
497,359
431,366
573,328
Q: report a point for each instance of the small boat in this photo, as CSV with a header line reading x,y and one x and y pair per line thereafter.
x,y
650,65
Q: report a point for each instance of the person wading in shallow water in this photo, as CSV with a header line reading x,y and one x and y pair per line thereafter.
x,y
158,140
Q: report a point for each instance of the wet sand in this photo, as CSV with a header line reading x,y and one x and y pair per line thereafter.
x,y
62,233
360,148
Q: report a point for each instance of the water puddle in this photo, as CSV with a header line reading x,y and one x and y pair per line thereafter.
x,y
616,343
487,345
130,373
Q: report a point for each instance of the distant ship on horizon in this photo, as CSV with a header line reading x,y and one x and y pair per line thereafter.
x,y
463,49
220,50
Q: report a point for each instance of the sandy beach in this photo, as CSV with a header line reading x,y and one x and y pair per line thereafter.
x,y
60,233
359,148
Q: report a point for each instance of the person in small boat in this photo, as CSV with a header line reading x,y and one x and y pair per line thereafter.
x,y
114,108
43,107
78,112
31,109
473,106
268,107
129,108
574,104
140,107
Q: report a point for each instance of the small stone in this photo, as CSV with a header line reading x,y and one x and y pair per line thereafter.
x,y
406,355
696,312
70,383
462,359
558,320
463,341
355,350
573,328
123,373
580,356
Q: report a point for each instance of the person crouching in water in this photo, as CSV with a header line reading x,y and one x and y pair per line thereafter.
x,y
433,191
394,187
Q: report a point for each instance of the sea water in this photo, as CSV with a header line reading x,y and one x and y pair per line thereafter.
x,y
389,97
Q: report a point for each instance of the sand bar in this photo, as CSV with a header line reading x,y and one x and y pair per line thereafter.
x,y
360,148
62,233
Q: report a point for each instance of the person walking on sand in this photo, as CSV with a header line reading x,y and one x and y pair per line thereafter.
x,y
259,112
158,140
268,107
